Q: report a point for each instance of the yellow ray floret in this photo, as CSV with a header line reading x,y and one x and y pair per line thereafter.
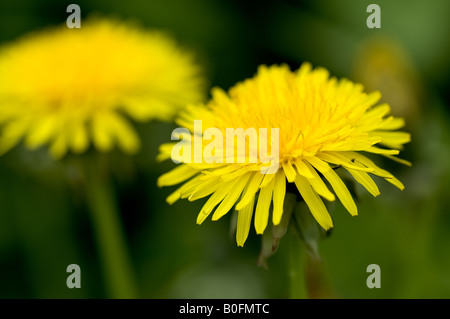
x,y
70,88
324,123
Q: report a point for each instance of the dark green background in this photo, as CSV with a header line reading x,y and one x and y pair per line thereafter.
x,y
44,224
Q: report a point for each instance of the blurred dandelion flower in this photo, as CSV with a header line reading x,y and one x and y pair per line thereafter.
x,y
73,88
323,123
68,88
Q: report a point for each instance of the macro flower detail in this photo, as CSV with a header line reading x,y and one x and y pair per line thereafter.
x,y
70,88
324,123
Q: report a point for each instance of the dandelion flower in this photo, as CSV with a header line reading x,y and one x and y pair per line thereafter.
x,y
70,88
323,122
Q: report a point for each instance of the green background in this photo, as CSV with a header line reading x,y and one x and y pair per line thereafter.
x,y
45,226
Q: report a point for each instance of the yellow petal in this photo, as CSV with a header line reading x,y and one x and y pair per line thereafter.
x,y
100,133
176,176
214,200
391,123
279,191
304,168
189,186
315,204
376,112
394,181
244,222
263,206
289,171
125,134
79,138
399,160
267,179
165,152
250,191
339,159
236,173
231,198
365,180
341,191
204,188
318,185
41,131
58,148
11,134
317,163
368,163
393,139
376,150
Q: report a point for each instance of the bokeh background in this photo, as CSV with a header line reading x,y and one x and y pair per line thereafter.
x,y
44,225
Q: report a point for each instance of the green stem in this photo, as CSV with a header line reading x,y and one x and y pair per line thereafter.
x,y
110,237
297,277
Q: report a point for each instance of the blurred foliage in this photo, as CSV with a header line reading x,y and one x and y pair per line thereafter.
x,y
43,221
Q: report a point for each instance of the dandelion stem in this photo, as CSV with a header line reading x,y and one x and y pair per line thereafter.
x,y
296,265
109,233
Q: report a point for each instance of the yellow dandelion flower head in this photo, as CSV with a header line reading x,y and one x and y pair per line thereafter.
x,y
323,123
68,88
